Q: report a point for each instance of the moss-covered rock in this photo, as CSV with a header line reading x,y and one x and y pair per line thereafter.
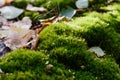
x,y
67,49
64,42
94,30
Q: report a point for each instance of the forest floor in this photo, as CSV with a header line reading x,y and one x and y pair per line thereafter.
x,y
41,43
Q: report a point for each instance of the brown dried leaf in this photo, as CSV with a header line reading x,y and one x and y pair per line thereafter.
x,y
18,37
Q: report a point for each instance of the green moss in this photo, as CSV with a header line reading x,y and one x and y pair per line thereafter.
x,y
21,3
66,49
45,3
64,42
108,18
105,69
30,14
19,76
26,64
21,61
97,2
80,75
95,29
63,51
102,69
98,32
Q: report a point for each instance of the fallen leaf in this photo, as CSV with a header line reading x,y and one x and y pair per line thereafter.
x,y
32,8
82,3
10,12
69,13
19,35
31,38
16,37
25,23
97,50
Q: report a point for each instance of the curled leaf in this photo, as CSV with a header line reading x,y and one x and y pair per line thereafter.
x,y
69,13
97,50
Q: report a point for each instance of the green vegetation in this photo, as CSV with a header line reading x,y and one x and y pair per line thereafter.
x,y
66,42
31,65
63,54
47,4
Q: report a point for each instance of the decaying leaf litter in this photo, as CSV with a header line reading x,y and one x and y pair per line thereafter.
x,y
20,33
15,33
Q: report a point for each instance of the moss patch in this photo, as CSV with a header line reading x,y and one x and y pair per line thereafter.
x,y
26,64
68,43
63,51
